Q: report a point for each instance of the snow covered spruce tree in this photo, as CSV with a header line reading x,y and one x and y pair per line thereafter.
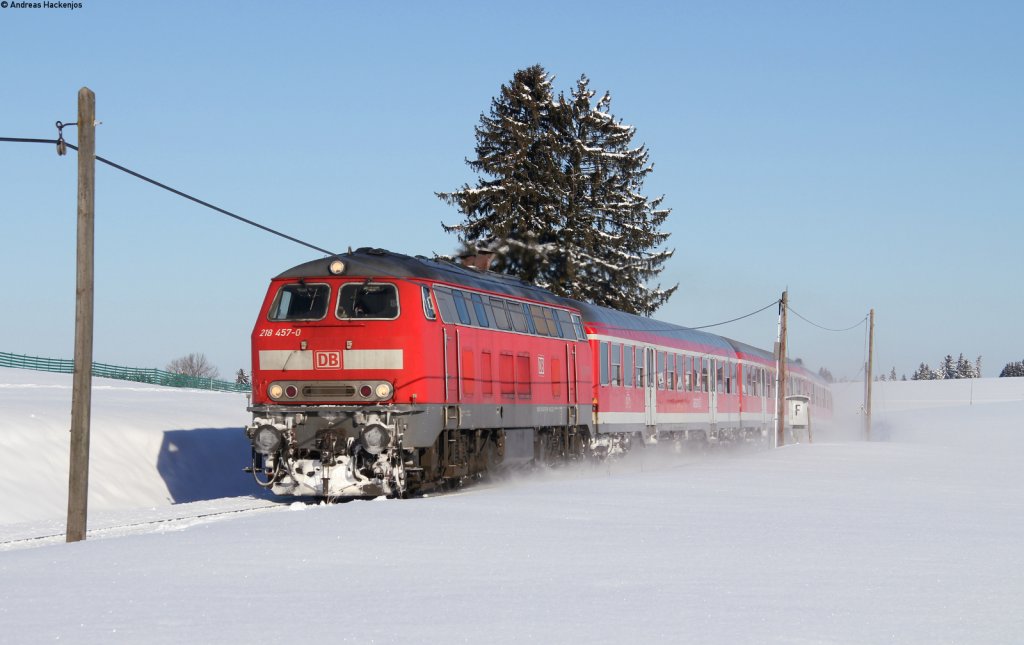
x,y
612,229
514,213
1012,369
560,203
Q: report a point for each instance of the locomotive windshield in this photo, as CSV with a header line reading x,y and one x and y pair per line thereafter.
x,y
368,301
301,302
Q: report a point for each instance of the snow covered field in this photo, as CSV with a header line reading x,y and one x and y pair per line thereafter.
x,y
914,538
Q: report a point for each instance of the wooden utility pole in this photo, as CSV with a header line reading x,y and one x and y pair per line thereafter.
x,y
81,389
780,426
868,374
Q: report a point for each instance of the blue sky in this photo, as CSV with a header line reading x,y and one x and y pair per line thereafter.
x,y
864,155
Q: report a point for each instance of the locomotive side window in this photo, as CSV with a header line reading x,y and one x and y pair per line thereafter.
x,y
357,300
300,302
480,310
428,305
578,326
540,323
515,311
500,314
462,308
565,329
446,303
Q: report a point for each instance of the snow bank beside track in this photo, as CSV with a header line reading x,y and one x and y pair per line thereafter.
x,y
150,445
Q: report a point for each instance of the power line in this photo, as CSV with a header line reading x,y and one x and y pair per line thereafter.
x,y
685,328
859,323
754,313
175,191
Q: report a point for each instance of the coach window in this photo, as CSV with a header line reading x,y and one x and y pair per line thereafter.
x,y
500,314
640,371
627,365
359,300
661,370
603,358
301,302
616,364
705,375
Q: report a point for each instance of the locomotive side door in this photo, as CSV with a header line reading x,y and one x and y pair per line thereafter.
x,y
650,388
452,385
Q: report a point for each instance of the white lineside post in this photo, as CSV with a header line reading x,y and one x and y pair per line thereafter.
x,y
81,389
868,376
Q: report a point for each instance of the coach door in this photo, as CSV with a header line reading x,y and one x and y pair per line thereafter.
x,y
572,386
650,389
713,392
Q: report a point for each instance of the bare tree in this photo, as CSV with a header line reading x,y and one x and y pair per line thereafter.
x,y
193,365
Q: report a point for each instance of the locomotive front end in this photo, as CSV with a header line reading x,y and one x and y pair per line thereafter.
x,y
328,360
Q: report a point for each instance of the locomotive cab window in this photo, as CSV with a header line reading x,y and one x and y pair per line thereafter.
x,y
300,302
358,300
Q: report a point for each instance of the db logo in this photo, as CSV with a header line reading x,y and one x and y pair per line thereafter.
x,y
327,360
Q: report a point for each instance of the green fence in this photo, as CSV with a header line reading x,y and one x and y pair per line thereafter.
x,y
154,376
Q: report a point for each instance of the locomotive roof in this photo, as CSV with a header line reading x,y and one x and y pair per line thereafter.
x,y
380,263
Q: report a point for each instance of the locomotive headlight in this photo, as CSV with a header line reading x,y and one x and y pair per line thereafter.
x,y
383,391
275,391
267,440
375,438
337,267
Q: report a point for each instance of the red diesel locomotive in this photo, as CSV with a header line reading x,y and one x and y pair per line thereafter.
x,y
378,373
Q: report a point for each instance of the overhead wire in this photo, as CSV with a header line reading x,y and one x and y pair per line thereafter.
x,y
176,192
858,324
